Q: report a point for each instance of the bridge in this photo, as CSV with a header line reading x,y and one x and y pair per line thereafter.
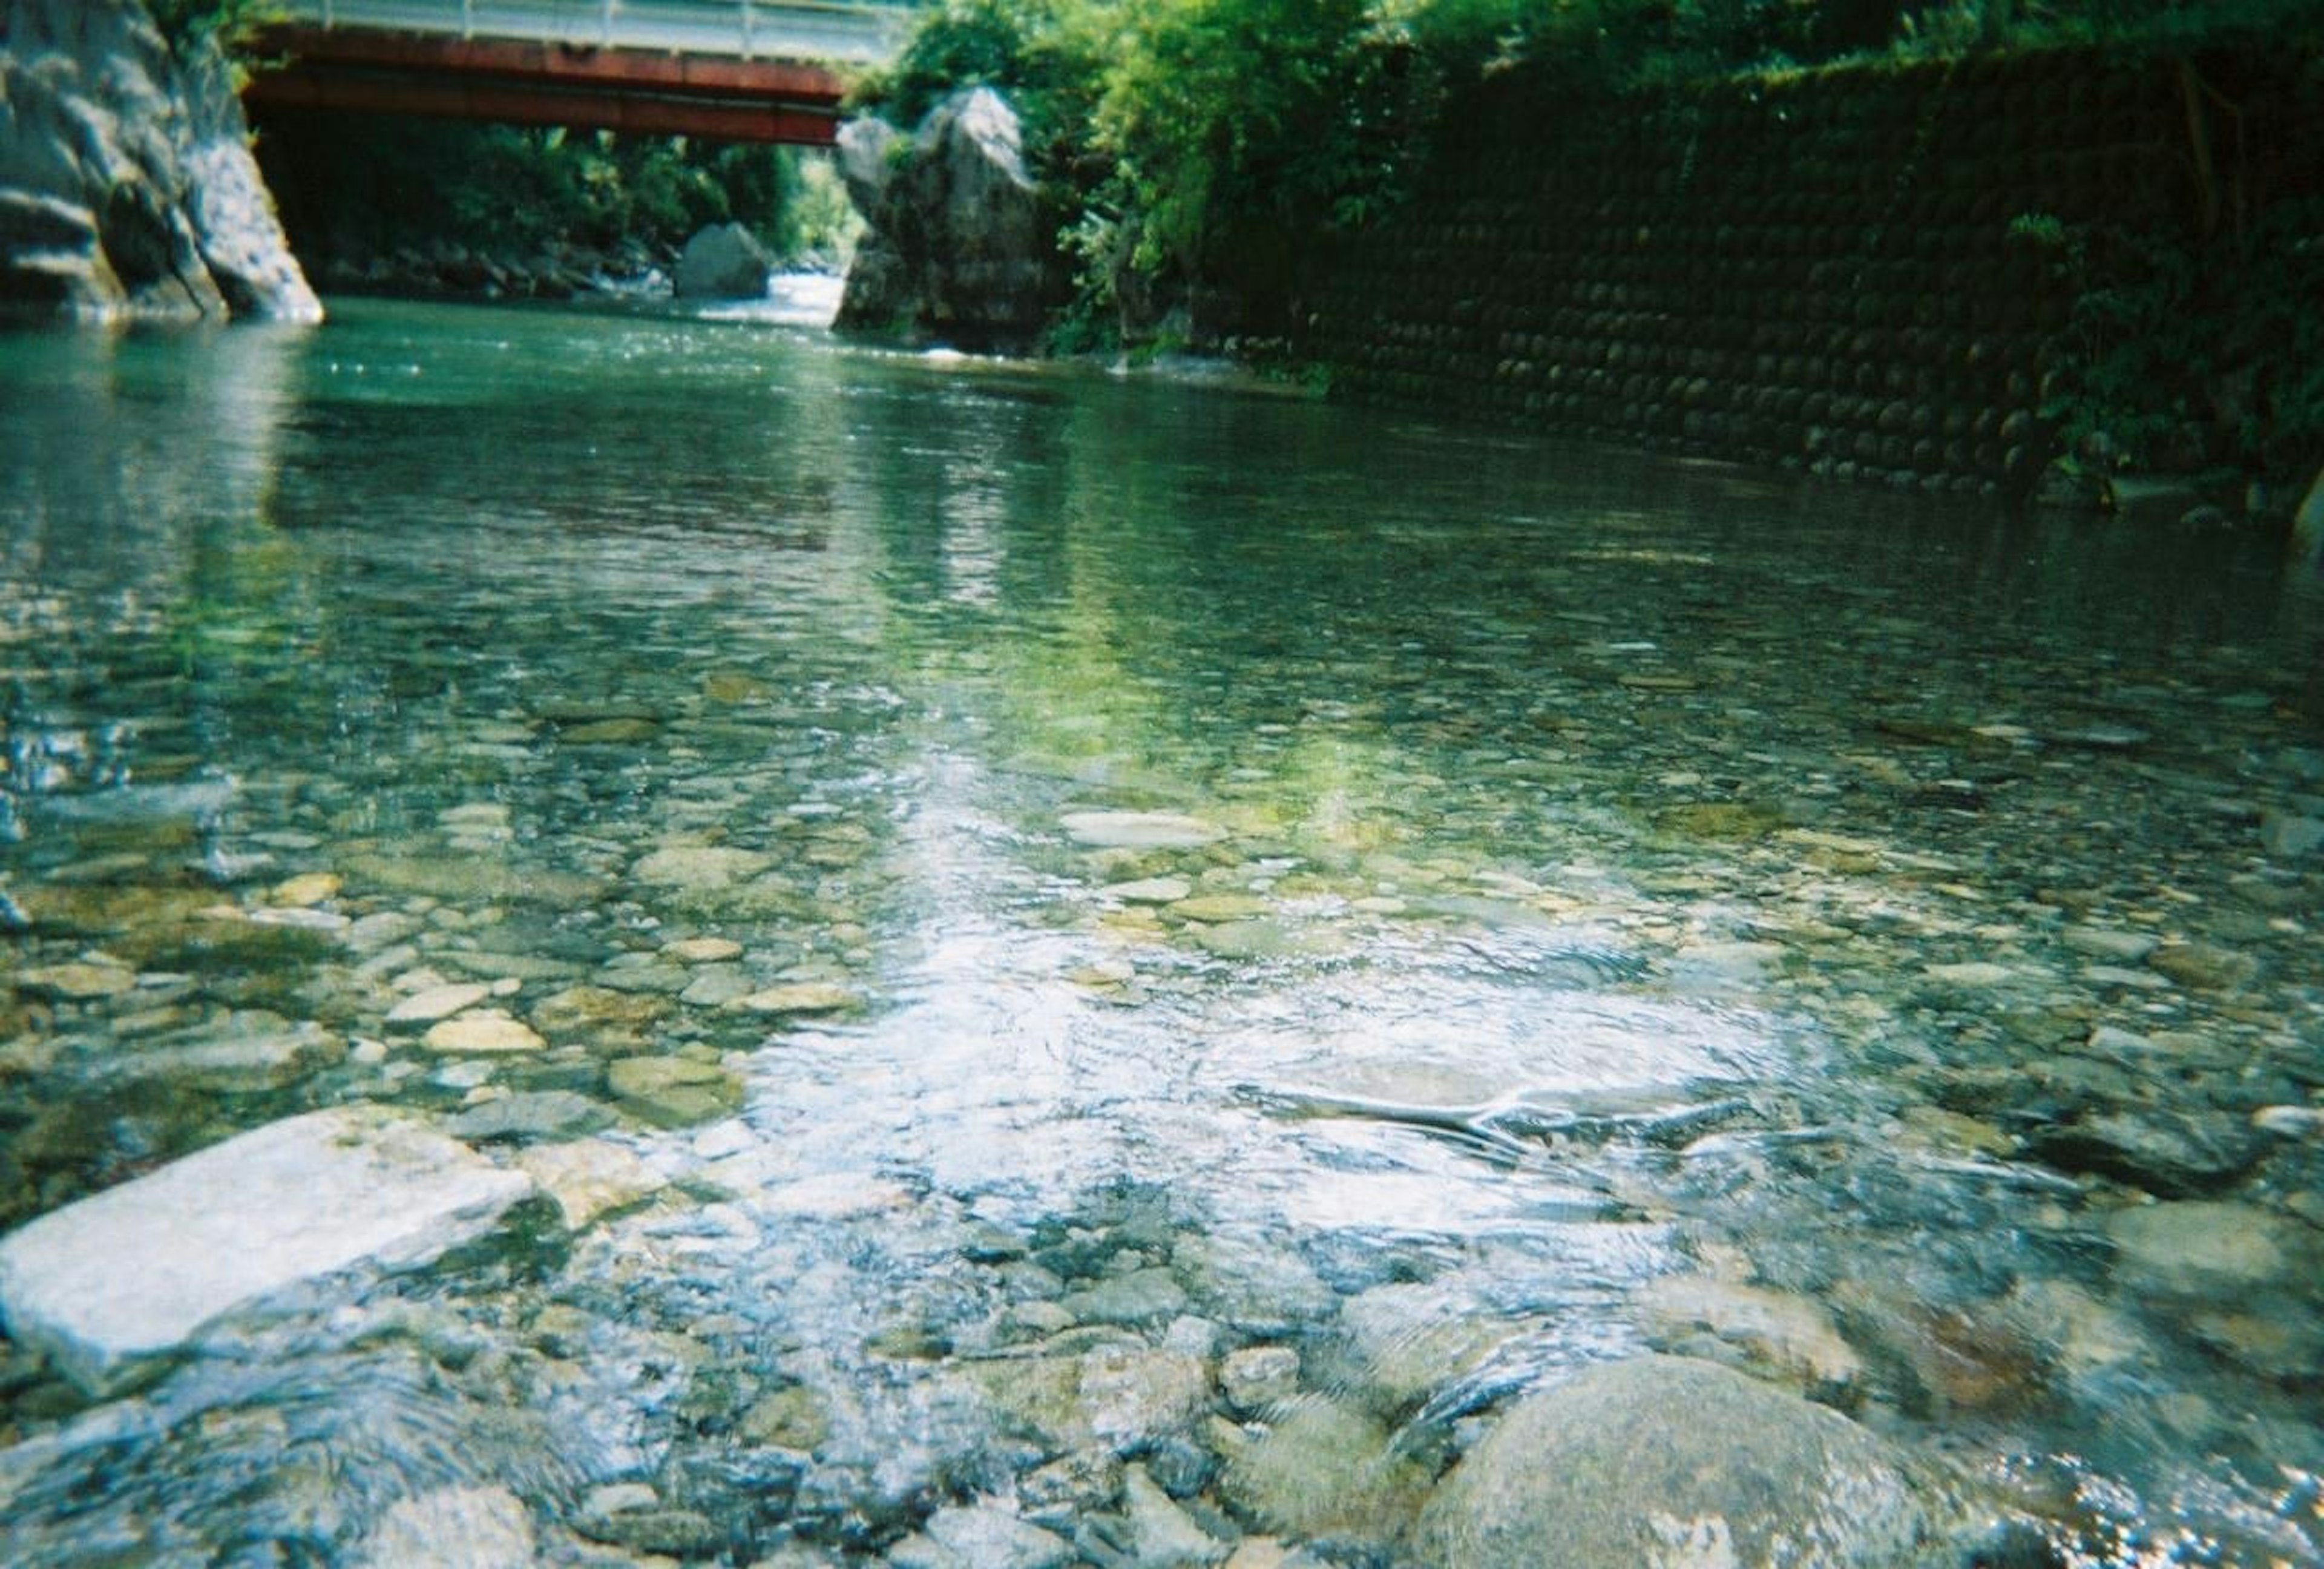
x,y
724,70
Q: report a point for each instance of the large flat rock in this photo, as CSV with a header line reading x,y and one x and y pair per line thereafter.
x,y
133,1273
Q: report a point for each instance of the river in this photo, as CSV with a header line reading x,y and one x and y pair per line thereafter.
x,y
1086,925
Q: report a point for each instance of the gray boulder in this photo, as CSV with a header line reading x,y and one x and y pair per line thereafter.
x,y
126,182
866,157
1661,1463
962,247
723,262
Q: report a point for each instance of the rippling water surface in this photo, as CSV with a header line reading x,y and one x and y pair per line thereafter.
x,y
1034,894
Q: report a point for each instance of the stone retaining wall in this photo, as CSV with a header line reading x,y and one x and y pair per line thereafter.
x,y
1815,271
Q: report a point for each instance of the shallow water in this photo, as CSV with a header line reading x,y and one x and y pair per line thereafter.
x,y
1459,909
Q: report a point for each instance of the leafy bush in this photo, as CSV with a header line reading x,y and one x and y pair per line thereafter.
x,y
349,185
2182,351
232,22
1195,145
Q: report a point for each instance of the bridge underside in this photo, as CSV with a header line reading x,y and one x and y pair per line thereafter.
x,y
529,83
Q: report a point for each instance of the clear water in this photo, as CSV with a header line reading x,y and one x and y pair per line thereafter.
x,y
1582,872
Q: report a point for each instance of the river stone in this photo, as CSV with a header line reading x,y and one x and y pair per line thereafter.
x,y
648,978
699,868
308,888
1133,1398
2199,1248
1163,1536
1150,890
1220,907
2288,836
2122,947
683,1532
611,731
486,1033
1140,1296
2290,1121
2205,968
1975,976
239,1058
1262,939
1258,1377
598,1011
703,950
475,878
717,985
801,997
531,1114
723,262
1325,1469
1252,1283
1124,1399
671,1092
76,982
587,1177
1660,1463
1406,1345
518,967
1140,830
793,1418
109,1283
453,1528
984,1535
437,1002
2168,1153
1787,1333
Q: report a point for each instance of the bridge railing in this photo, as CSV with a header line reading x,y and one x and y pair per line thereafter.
x,y
866,31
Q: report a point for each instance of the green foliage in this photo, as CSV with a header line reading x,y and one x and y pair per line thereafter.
x,y
1191,147
2183,352
352,184
1045,55
1230,121
232,22
1194,144
1958,26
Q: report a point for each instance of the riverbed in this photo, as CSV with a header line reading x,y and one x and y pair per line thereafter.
x,y
1079,958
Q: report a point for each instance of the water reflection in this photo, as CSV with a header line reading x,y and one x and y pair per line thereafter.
x,y
1021,889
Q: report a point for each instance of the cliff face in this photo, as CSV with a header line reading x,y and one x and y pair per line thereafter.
x,y
126,183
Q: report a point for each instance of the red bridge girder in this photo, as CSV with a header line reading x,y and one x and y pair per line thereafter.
x,y
548,84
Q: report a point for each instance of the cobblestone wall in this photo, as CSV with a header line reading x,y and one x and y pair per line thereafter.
x,y
1817,271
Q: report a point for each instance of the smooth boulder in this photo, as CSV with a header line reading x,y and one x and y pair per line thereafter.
x,y
1666,1463
723,262
112,1281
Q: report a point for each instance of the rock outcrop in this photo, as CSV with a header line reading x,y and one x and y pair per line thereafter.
x,y
962,248
126,182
